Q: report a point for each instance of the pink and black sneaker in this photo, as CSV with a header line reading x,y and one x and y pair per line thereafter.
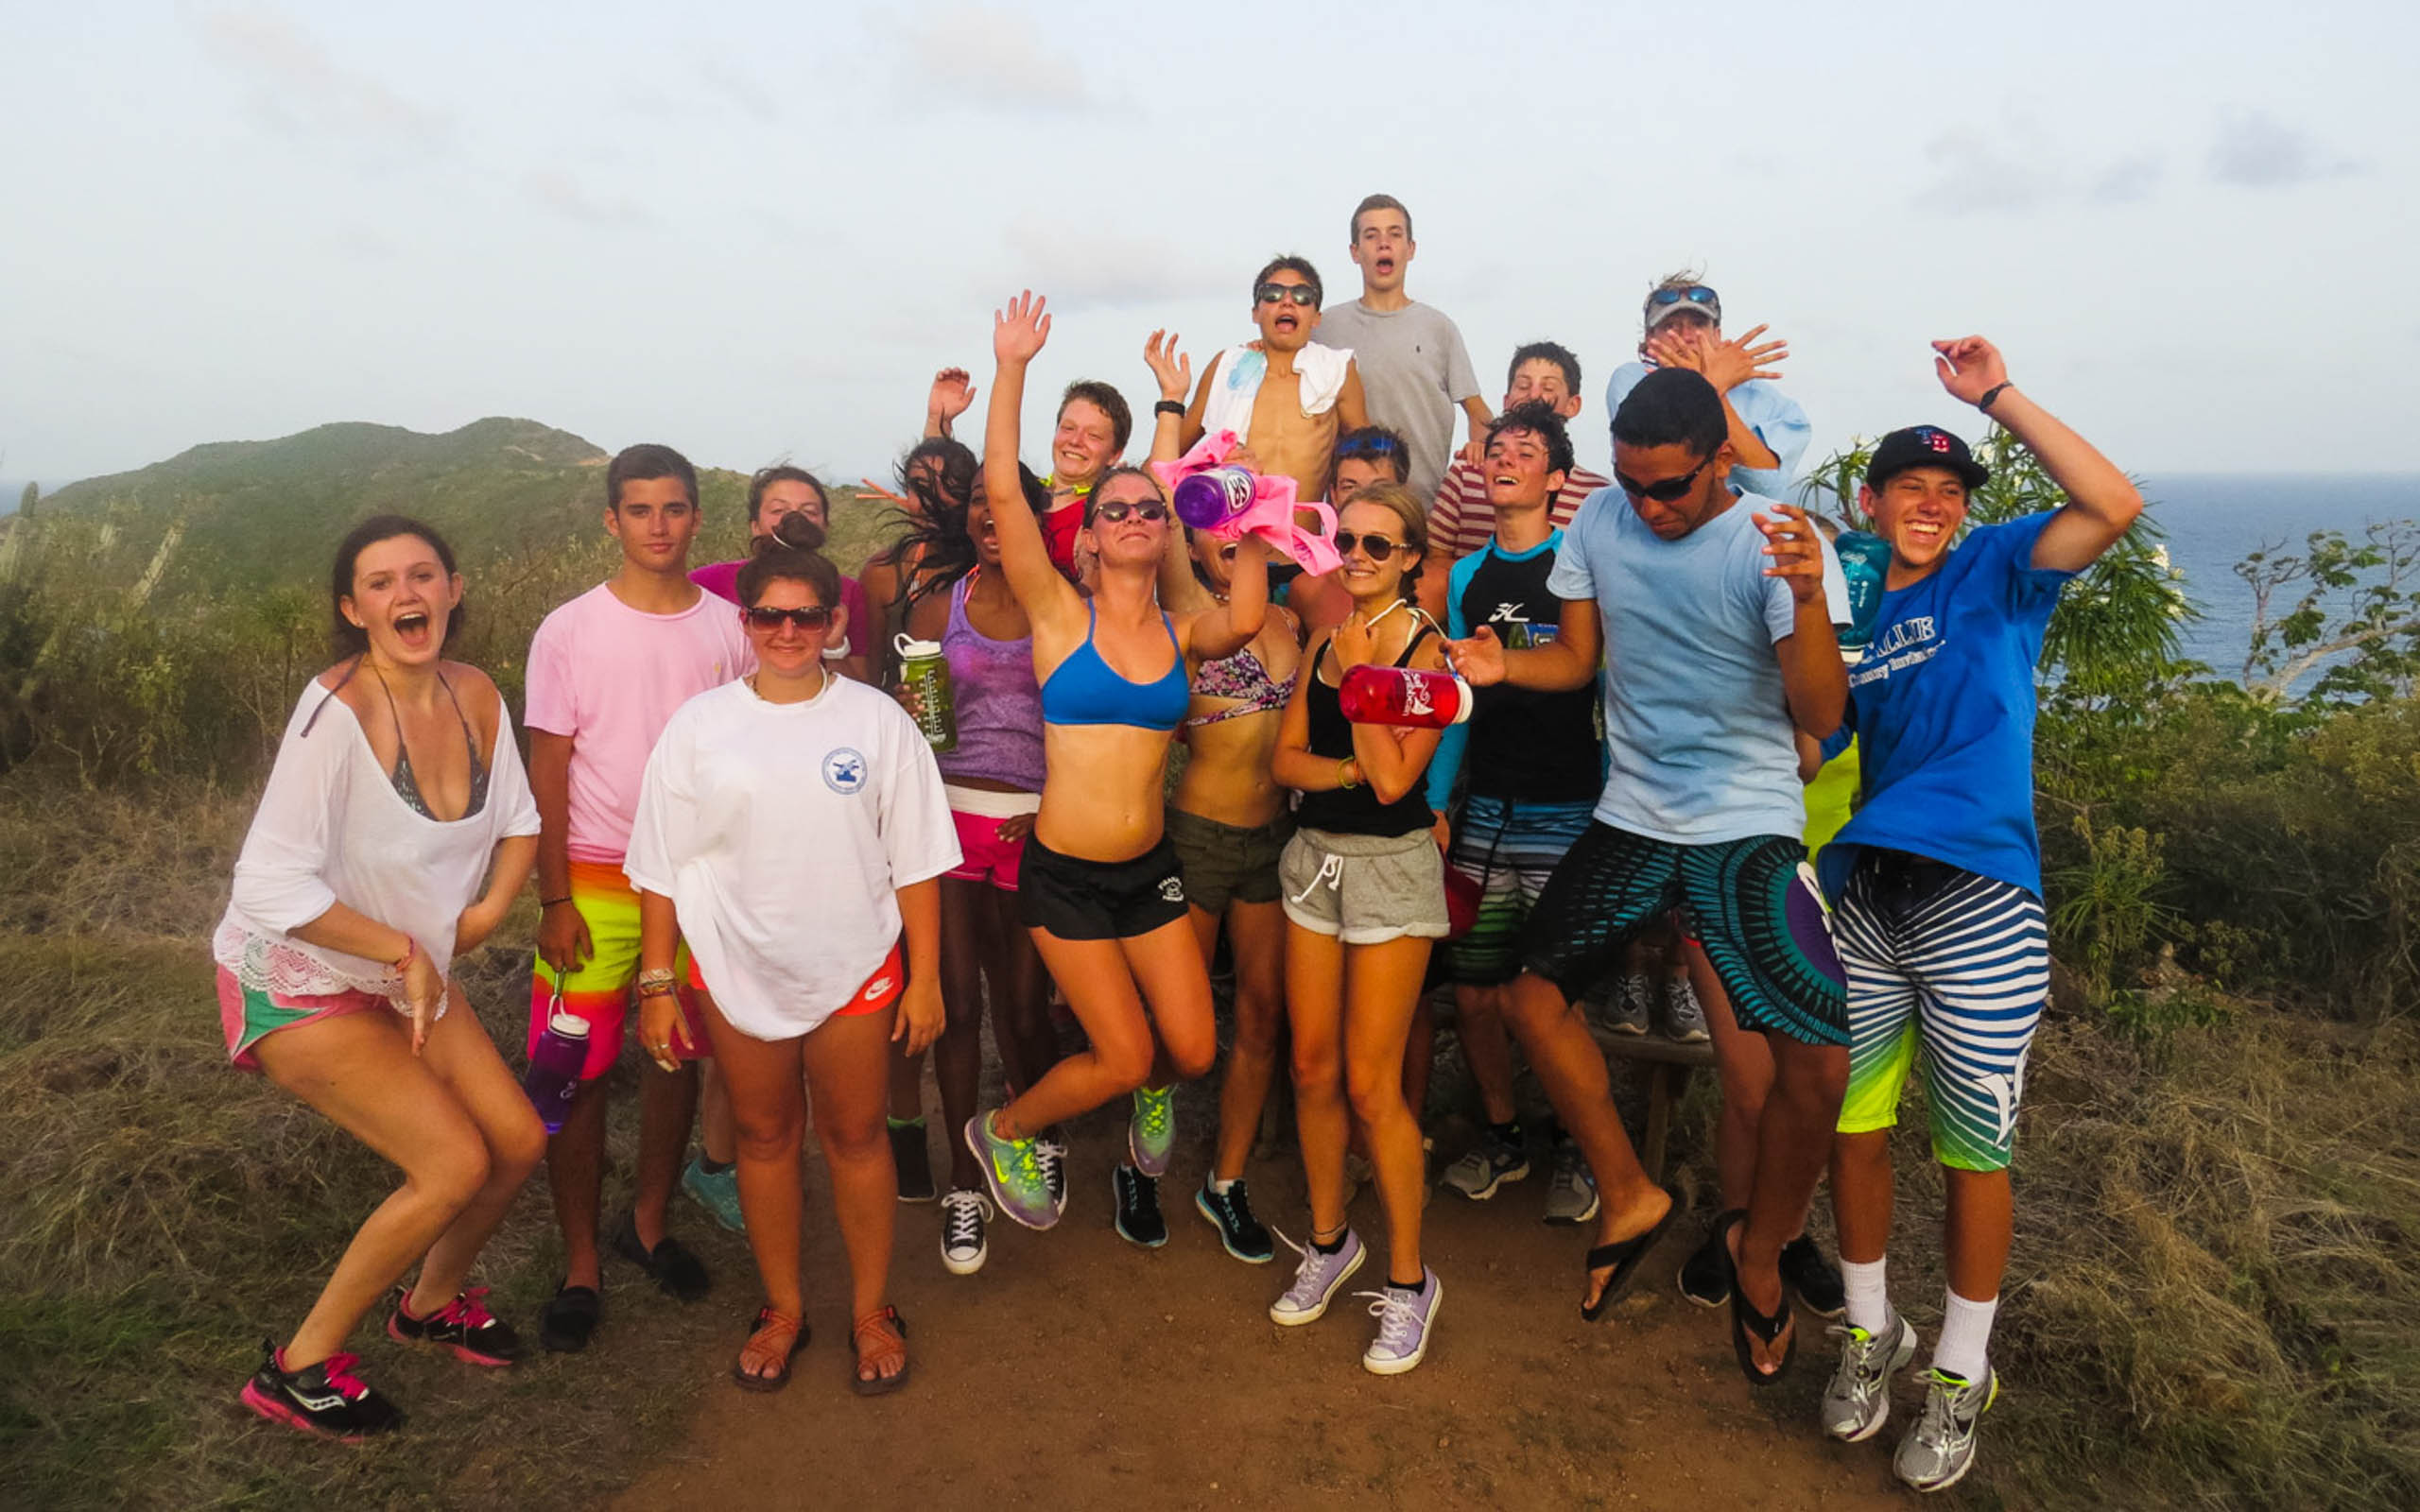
x,y
463,1325
327,1399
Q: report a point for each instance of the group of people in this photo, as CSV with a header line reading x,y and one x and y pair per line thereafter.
x,y
766,834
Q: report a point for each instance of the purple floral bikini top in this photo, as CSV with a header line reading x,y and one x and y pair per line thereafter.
x,y
1240,677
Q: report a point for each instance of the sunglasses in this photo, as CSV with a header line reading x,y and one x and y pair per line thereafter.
x,y
1151,511
1280,292
1379,547
1695,294
811,619
1366,446
1664,491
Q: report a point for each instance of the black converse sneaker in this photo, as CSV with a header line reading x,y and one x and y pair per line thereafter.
x,y
327,1399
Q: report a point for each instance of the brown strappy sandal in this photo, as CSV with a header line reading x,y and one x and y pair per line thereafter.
x,y
770,1322
887,1331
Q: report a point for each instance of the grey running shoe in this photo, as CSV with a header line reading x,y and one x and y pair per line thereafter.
x,y
1404,1321
964,1212
1632,1001
1496,1159
1316,1280
1013,1169
1858,1401
1684,1016
1940,1448
1050,1148
1150,1132
1571,1191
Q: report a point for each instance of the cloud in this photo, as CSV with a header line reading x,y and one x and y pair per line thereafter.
x,y
1093,264
741,91
302,89
555,189
2128,181
986,55
1972,174
2255,150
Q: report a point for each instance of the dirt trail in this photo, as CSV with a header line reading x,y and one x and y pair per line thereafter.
x,y
1076,1371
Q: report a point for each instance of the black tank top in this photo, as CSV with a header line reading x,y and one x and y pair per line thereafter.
x,y
1526,744
1355,810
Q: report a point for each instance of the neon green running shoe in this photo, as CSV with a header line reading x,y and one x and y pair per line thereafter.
x,y
1012,1169
1151,1134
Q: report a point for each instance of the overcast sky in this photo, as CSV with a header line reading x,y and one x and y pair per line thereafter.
x,y
754,231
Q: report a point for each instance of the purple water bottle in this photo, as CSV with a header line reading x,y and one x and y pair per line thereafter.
x,y
555,1066
1212,497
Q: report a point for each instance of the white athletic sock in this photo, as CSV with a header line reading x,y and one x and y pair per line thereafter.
x,y
1965,1336
1869,1301
1221,1189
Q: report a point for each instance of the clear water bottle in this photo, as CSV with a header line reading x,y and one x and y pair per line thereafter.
x,y
555,1066
922,667
1213,497
1865,561
1404,696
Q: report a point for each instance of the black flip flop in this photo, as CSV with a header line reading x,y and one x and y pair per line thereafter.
x,y
781,1378
1624,1256
568,1319
1746,1319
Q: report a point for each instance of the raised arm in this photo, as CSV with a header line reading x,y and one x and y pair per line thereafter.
x,y
1223,629
949,397
1173,371
1727,365
2102,503
1569,661
1017,335
1814,678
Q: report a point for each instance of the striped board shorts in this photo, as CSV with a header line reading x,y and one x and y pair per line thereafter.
x,y
1510,849
1958,965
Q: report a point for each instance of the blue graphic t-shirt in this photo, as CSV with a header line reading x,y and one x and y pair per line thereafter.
x,y
1942,706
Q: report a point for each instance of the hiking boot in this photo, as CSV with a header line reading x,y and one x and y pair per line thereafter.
x,y
1571,1191
1705,1275
1499,1157
1013,1171
327,1399
1137,1220
1940,1448
1151,1134
674,1268
913,1158
463,1325
718,1191
1813,1279
1684,1015
964,1212
1050,1148
1858,1401
1239,1233
1404,1321
1316,1280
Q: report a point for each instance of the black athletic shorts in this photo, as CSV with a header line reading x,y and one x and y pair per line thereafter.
x,y
1076,899
1752,904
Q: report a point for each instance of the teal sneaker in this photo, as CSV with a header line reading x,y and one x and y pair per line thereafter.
x,y
718,1191
1013,1169
1151,1134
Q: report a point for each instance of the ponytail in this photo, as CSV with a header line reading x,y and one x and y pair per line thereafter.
x,y
792,550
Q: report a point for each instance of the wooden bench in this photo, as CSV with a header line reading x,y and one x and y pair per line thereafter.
x,y
1669,1063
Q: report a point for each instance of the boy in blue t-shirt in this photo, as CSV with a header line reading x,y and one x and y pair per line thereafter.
x,y
1938,880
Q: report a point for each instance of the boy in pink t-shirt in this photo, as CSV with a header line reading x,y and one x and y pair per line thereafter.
x,y
606,672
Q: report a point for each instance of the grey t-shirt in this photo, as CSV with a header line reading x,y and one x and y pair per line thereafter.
x,y
1414,373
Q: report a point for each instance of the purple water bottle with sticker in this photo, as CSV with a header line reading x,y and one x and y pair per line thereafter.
x,y
1213,496
555,1066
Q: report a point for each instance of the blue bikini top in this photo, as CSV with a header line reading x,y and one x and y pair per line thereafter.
x,y
1086,690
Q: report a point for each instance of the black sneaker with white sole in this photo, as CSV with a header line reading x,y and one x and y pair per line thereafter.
x,y
1240,1233
965,1212
327,1399
1139,1218
1705,1275
912,1158
1812,1278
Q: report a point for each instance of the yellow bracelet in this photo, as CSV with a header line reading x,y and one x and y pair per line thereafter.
x,y
1345,777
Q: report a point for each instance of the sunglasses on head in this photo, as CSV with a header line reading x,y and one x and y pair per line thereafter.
x,y
1664,491
1695,294
1151,511
1379,547
1366,446
812,618
1279,293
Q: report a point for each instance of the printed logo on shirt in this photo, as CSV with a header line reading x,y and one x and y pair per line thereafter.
x,y
844,771
1172,889
1911,643
875,988
1511,621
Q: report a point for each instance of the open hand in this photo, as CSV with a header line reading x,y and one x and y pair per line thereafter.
x,y
1480,660
1970,367
1797,551
1729,363
953,390
1173,369
1019,331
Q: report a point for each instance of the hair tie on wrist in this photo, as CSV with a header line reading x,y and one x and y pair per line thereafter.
x,y
549,902
1990,394
1169,406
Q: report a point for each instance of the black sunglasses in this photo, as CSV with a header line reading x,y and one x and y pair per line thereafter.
x,y
812,618
1379,547
1151,511
1279,293
1664,491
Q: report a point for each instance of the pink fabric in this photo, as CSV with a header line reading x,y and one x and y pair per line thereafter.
x,y
242,1035
721,579
1272,515
610,675
987,857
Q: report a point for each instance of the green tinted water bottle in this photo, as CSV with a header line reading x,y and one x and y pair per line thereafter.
x,y
1865,561
922,667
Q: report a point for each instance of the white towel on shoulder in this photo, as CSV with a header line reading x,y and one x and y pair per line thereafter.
x,y
1236,373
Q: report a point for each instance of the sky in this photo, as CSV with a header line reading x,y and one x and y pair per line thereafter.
x,y
755,230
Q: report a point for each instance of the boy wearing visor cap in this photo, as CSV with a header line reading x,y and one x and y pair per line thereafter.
x,y
1683,329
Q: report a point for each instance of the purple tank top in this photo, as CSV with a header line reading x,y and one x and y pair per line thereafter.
x,y
999,703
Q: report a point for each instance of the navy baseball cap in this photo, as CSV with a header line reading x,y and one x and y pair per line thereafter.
x,y
1924,446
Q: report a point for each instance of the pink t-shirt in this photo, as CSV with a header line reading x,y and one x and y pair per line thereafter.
x,y
721,579
610,677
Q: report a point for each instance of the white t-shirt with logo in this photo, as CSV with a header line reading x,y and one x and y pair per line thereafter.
x,y
782,832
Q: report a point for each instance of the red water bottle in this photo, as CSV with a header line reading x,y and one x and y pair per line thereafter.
x,y
1404,696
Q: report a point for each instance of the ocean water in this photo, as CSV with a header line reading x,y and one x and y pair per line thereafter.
x,y
2213,521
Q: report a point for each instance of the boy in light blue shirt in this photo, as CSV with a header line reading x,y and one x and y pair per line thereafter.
x,y
1683,329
